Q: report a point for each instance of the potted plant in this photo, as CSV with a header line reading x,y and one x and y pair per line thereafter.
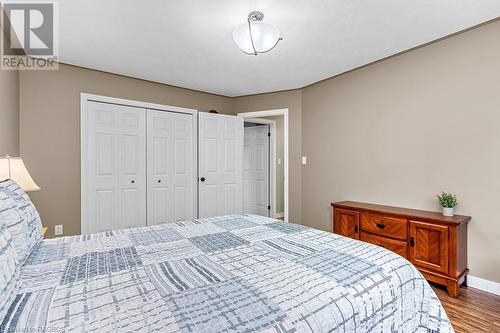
x,y
448,201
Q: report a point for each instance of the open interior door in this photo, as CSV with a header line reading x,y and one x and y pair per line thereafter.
x,y
220,169
256,170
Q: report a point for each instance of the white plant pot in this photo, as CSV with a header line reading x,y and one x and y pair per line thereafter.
x,y
447,211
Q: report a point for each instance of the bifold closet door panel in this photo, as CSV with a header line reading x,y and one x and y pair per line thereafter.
x,y
115,167
220,164
170,147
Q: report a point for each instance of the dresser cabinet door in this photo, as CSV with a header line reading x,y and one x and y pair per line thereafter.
x,y
429,246
346,223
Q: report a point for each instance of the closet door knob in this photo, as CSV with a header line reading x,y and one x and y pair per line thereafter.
x,y
159,180
133,181
202,179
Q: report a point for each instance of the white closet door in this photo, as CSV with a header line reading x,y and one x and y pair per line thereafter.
x,y
256,170
115,166
170,167
220,167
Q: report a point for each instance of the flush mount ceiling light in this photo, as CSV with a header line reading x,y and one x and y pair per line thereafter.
x,y
255,36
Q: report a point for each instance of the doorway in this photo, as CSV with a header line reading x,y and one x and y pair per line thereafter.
x,y
266,163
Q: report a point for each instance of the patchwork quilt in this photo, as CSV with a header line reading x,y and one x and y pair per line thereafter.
x,y
223,274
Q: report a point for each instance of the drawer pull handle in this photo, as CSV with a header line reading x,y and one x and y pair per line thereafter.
x,y
380,225
356,229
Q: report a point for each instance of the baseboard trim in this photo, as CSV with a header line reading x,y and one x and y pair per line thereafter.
x,y
483,284
279,215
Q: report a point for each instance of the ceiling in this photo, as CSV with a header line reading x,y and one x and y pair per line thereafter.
x,y
189,43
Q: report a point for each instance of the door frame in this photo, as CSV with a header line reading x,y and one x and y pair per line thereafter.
x,y
257,115
272,159
84,99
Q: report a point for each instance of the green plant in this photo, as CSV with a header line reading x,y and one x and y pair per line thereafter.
x,y
448,200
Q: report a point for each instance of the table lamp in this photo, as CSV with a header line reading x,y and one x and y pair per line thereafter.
x,y
13,168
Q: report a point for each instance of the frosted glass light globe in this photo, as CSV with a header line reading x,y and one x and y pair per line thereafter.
x,y
264,37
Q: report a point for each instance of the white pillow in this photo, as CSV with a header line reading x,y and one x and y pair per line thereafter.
x,y
21,217
14,223
9,270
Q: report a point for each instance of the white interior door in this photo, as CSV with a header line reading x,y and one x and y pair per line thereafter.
x,y
220,169
115,166
170,167
256,170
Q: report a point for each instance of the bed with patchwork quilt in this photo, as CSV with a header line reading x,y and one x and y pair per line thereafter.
x,y
240,273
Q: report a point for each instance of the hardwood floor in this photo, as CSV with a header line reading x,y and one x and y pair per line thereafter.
x,y
474,311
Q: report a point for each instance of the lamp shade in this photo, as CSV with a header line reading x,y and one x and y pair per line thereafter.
x,y
264,37
13,168
255,36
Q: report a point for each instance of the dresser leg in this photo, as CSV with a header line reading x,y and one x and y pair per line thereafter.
x,y
453,289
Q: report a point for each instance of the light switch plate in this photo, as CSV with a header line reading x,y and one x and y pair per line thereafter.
x,y
58,229
279,161
304,160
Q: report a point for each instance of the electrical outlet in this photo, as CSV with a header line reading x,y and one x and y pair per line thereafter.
x,y
304,160
58,230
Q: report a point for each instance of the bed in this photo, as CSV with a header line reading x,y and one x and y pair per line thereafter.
x,y
239,273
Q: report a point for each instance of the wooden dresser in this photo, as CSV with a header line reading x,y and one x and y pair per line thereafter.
x,y
435,244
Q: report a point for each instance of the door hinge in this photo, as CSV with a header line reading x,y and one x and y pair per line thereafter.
x,y
268,207
268,133
412,242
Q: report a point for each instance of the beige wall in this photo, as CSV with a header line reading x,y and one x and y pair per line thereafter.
x,y
9,111
50,129
400,131
293,101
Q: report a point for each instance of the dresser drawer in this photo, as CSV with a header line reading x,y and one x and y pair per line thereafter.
x,y
393,245
383,225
